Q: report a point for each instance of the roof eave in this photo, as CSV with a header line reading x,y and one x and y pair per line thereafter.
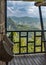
x,y
40,3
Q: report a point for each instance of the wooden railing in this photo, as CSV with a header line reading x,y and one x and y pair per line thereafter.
x,y
35,41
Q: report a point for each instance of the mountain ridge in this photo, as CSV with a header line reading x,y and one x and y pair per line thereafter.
x,y
22,23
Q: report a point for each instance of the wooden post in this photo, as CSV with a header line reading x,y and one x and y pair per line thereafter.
x,y
2,24
41,20
6,53
42,26
2,18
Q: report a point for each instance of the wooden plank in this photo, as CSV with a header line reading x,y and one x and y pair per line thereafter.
x,y
29,60
21,61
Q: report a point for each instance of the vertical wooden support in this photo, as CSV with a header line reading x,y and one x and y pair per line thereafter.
x,y
2,18
2,24
42,26
41,20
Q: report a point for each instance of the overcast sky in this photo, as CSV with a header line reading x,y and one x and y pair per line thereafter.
x,y
22,9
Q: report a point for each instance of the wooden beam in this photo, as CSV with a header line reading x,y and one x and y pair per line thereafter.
x,y
41,20
40,3
42,26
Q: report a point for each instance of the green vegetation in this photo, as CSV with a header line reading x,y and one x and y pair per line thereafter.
x,y
16,23
24,43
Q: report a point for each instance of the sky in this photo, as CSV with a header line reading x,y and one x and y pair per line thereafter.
x,y
22,9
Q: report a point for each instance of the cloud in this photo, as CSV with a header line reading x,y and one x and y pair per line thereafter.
x,y
21,8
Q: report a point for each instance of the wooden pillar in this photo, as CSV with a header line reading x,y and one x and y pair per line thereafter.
x,y
5,44
2,18
3,15
41,20
42,26
2,24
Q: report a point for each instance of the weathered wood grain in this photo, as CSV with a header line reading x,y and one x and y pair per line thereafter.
x,y
38,59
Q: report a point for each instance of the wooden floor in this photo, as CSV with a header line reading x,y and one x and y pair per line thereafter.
x,y
35,59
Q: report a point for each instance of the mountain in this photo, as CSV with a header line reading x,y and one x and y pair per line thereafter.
x,y
28,20
22,23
